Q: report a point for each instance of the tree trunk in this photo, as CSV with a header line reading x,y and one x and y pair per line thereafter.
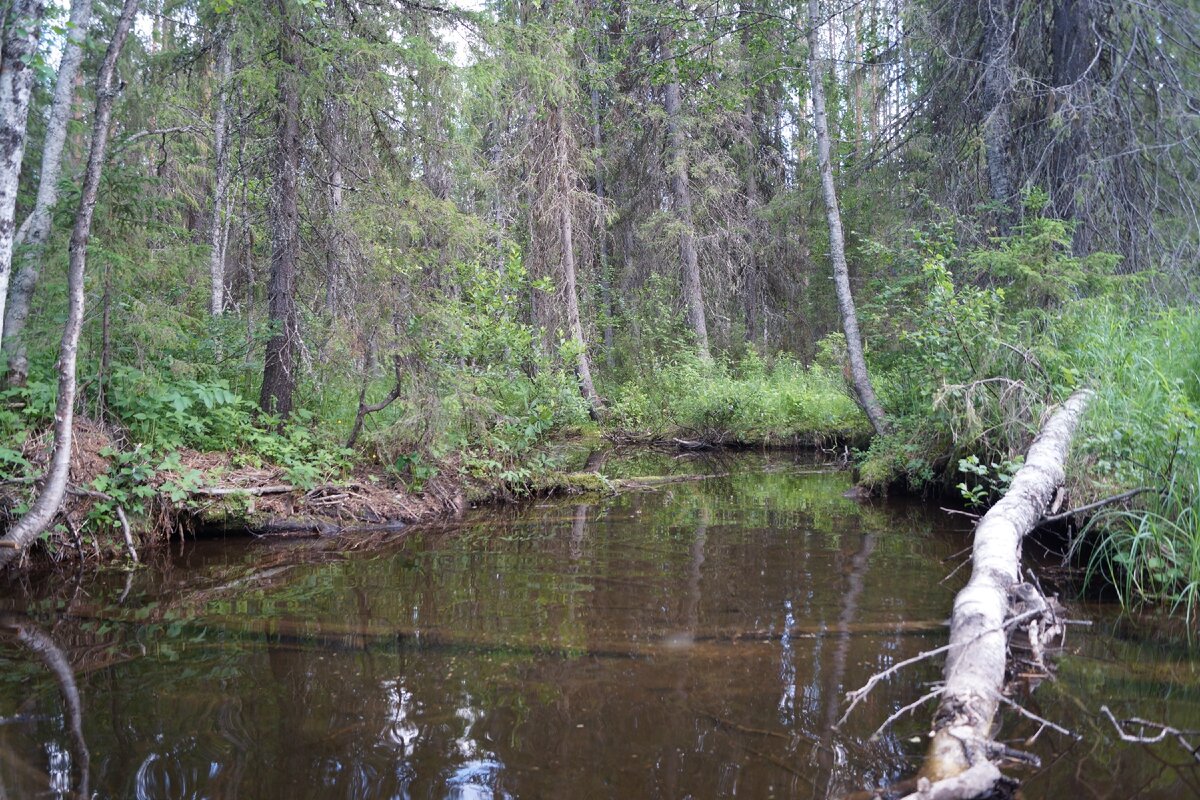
x,y
606,304
220,208
35,230
861,380
279,364
22,28
30,526
335,249
693,294
975,664
1074,48
752,293
997,123
583,368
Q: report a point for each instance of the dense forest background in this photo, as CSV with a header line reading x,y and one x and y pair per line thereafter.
x,y
430,237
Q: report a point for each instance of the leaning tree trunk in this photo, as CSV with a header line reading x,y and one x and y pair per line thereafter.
x,y
693,293
30,526
566,231
975,663
279,364
22,28
35,230
837,247
218,235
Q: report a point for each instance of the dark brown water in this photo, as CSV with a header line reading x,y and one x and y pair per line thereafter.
x,y
694,641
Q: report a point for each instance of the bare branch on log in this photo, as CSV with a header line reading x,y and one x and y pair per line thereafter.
x,y
1108,501
858,695
913,706
1042,720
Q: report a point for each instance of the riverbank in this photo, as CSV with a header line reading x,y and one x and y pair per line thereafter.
x,y
193,494
177,456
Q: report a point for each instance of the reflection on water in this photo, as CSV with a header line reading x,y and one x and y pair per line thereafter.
x,y
696,641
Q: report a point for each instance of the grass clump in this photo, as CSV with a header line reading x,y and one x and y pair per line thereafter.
x,y
1141,431
750,402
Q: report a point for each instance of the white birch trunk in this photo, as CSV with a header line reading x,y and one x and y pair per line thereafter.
x,y
837,247
30,526
35,230
22,29
220,207
975,664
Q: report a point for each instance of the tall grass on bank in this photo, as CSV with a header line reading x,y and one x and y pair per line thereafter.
x,y
1151,554
748,402
1142,430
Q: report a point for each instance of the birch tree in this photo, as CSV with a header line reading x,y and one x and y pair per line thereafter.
x,y
35,230
22,29
863,390
54,488
219,233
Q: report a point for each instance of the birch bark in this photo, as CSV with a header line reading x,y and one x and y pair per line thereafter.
x,y
22,29
861,379
35,230
30,526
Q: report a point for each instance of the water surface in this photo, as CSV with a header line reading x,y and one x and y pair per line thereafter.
x,y
693,641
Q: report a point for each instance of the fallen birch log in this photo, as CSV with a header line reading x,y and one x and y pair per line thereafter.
x,y
975,662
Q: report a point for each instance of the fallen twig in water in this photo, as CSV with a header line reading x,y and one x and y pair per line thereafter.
x,y
1043,721
1163,732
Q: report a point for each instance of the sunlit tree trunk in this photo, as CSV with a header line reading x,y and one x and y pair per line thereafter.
x,y
35,230
279,365
863,389
693,293
22,29
30,526
220,209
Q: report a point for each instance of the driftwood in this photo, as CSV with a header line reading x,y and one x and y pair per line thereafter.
x,y
962,746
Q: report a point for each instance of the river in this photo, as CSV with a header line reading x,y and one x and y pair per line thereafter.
x,y
695,641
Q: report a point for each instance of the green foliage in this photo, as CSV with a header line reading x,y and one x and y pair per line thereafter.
x,y
751,401
986,483
1035,265
975,359
1142,430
